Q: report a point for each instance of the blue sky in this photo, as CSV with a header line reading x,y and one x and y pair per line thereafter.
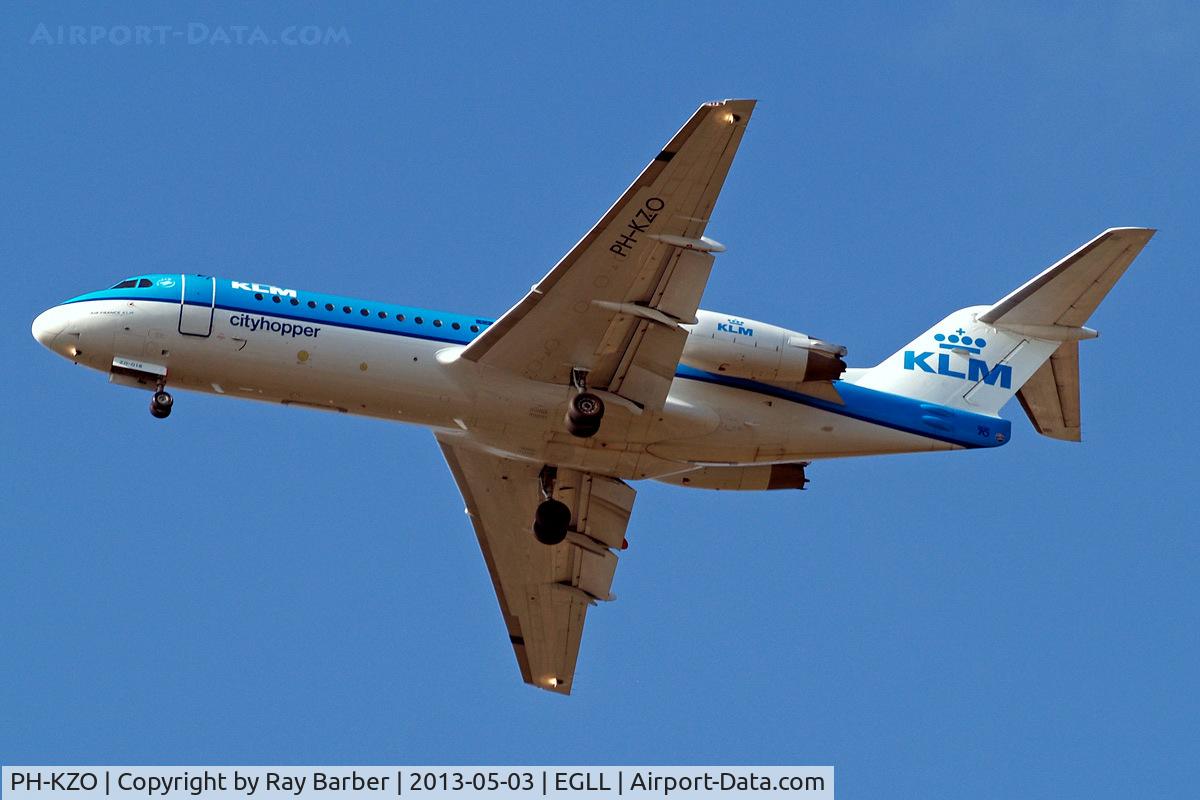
x,y
251,584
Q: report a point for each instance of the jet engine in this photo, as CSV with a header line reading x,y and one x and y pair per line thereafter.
x,y
744,348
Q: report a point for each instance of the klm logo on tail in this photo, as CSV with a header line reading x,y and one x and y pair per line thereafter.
x,y
977,368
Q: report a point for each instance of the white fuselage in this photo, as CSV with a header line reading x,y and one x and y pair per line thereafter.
x,y
335,364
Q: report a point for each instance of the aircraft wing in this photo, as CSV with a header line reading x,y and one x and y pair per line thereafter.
x,y
544,591
614,304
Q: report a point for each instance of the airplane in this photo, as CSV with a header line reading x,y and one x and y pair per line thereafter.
x,y
606,371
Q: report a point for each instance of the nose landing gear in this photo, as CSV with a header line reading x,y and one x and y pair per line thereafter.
x,y
161,403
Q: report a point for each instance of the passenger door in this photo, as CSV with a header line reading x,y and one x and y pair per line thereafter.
x,y
197,300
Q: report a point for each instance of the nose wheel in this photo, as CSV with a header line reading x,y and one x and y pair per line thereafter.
x,y
160,404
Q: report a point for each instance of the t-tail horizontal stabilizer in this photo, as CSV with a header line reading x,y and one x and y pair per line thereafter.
x,y
1027,342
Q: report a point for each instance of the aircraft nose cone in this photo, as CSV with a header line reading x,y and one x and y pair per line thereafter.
x,y
47,326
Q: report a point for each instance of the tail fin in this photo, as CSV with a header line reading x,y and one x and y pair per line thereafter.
x,y
979,357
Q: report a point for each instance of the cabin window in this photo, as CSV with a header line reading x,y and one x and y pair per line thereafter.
x,y
345,309
399,318
383,315
474,329
365,312
275,298
257,296
295,302
455,325
418,320
312,303
437,323
329,306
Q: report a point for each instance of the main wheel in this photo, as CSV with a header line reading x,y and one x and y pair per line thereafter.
x,y
550,522
584,415
160,405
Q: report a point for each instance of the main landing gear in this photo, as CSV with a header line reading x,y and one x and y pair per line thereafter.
x,y
585,410
552,518
161,403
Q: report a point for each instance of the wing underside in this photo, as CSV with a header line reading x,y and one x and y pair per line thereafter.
x,y
544,591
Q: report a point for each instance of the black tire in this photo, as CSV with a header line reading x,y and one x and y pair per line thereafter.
x,y
584,415
582,431
550,522
160,404
586,407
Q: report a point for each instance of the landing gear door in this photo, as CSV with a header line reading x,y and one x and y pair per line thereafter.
x,y
197,299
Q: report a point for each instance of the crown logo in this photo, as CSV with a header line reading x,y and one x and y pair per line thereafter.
x,y
957,341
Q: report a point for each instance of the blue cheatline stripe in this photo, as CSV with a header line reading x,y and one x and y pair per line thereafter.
x,y
402,329
906,414
240,301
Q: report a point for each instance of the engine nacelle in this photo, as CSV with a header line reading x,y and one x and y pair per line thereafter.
x,y
744,348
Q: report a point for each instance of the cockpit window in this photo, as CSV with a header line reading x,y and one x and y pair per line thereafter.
x,y
134,283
